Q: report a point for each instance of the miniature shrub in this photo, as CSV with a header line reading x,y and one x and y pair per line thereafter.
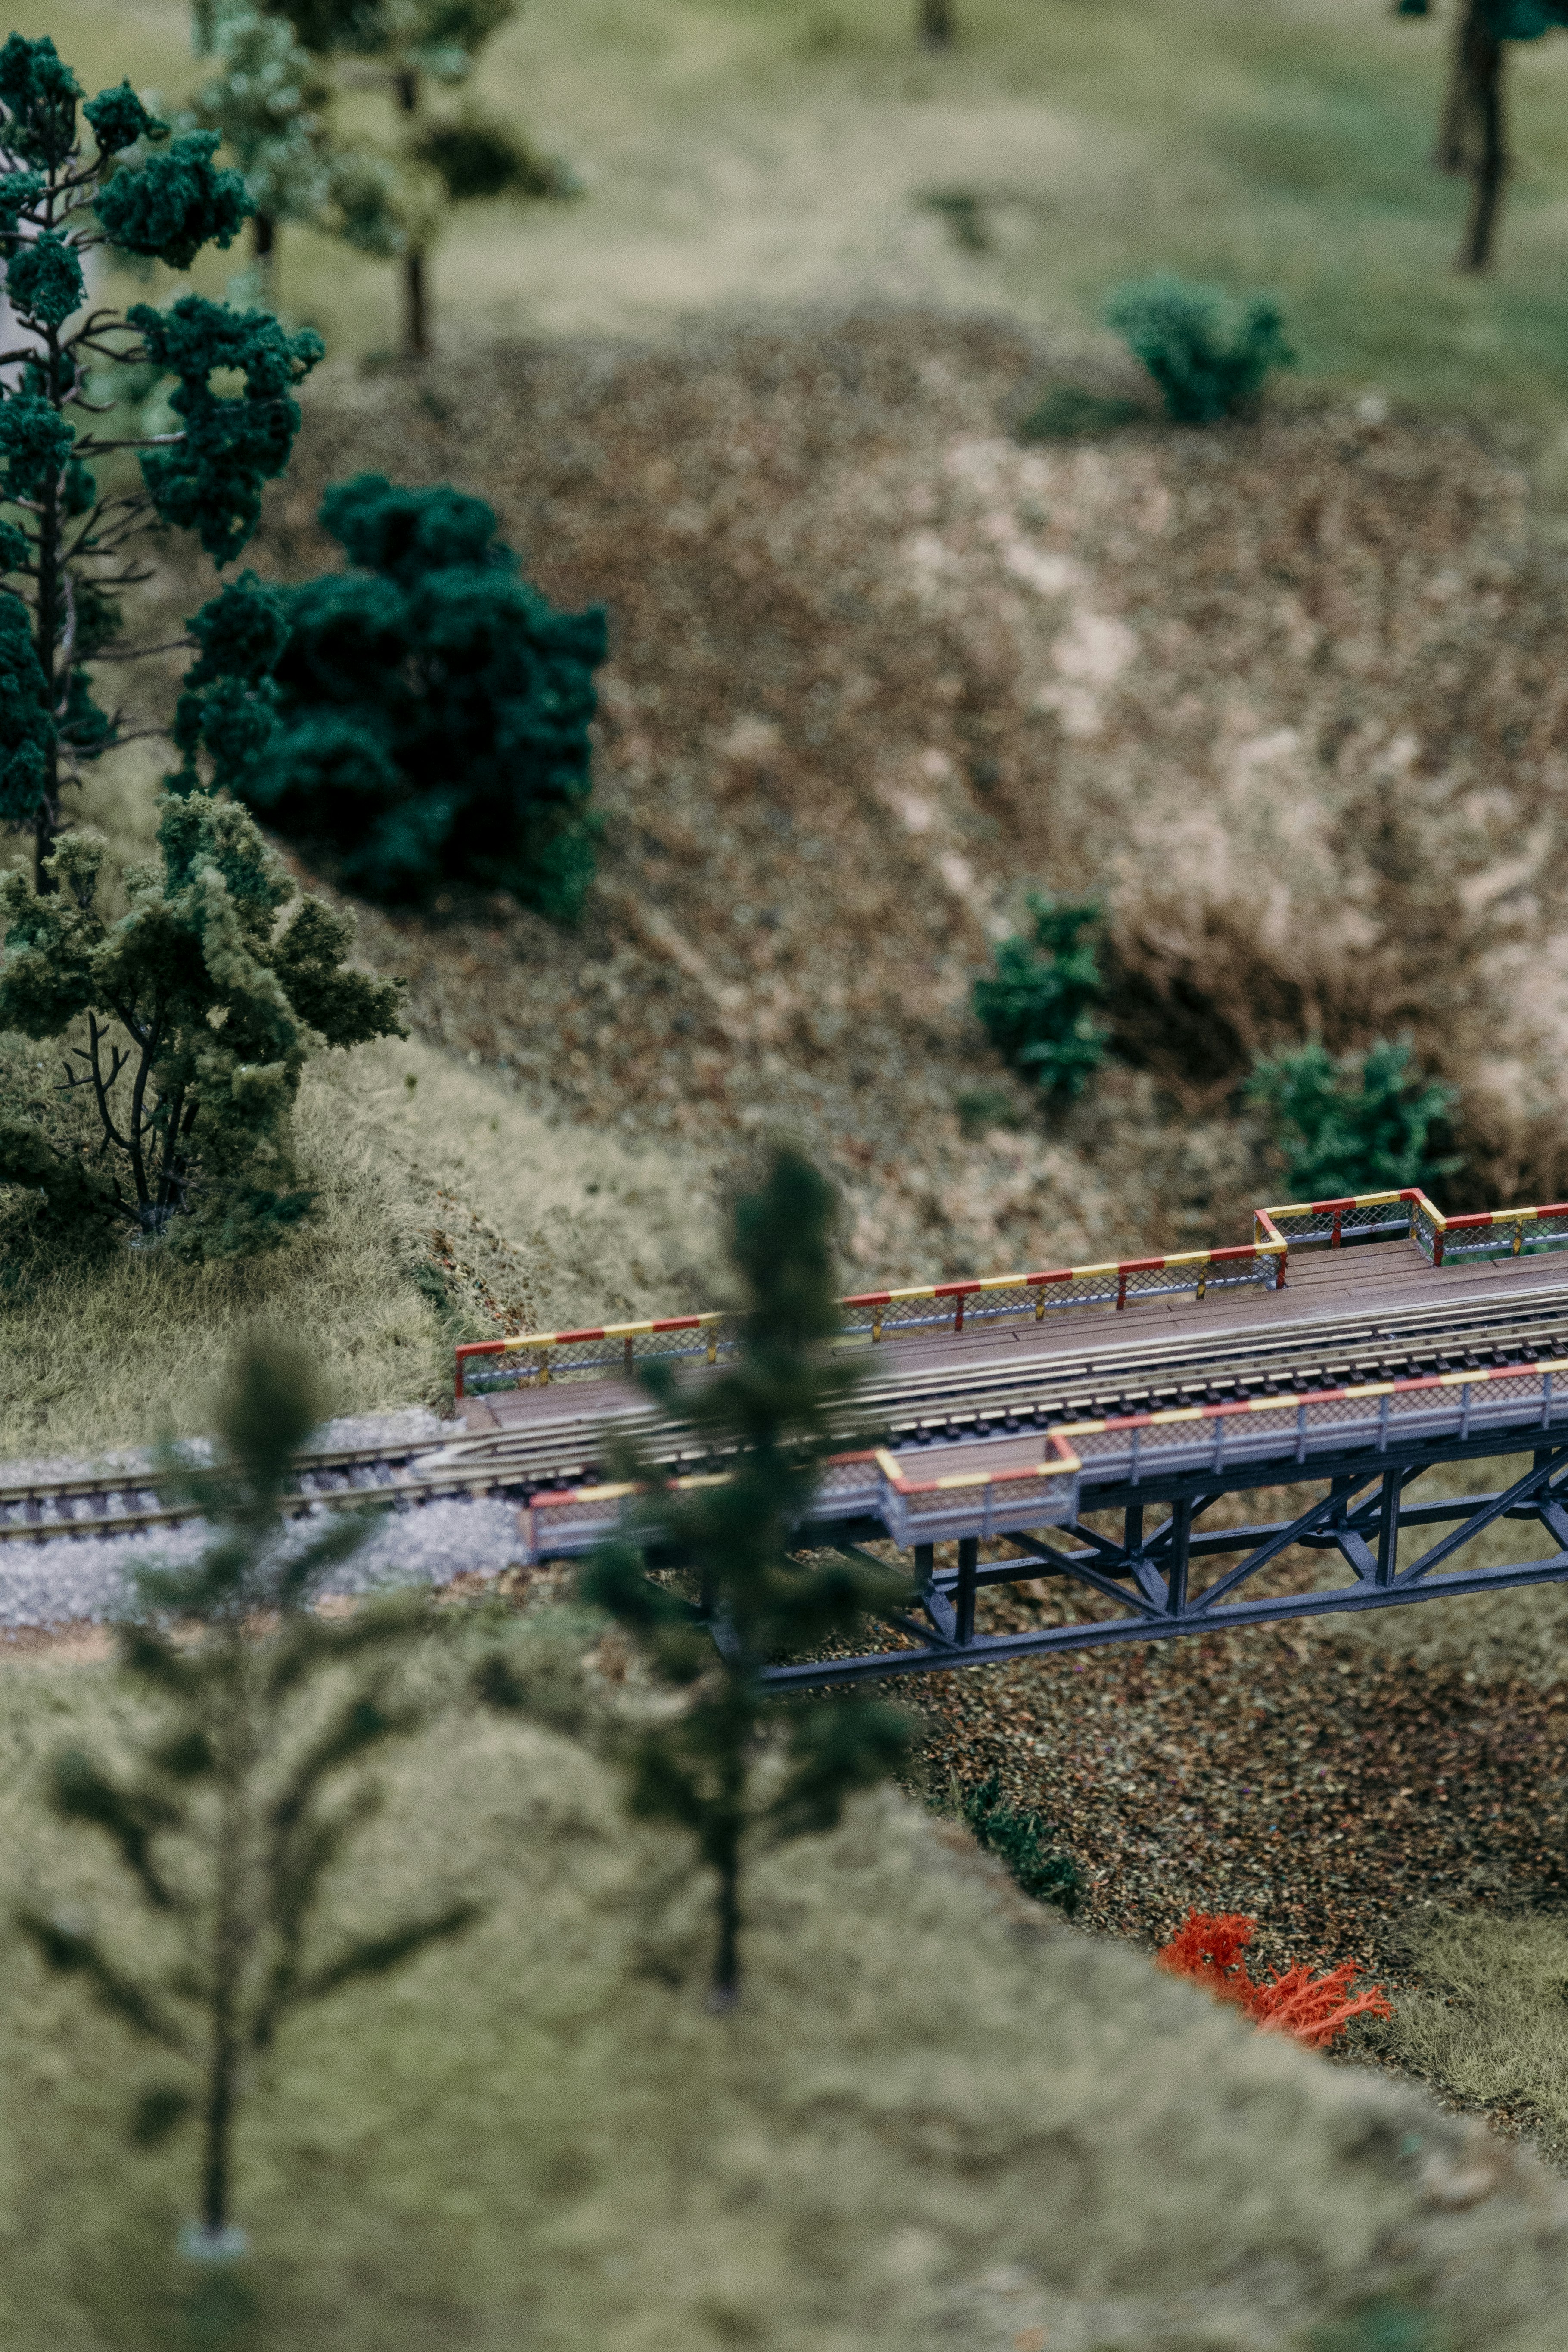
x,y
1209,350
1038,1006
420,718
1360,1124
184,1028
1208,1948
1020,1838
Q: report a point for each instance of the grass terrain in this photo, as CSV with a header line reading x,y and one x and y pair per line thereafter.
x,y
781,150
446,1208
939,2119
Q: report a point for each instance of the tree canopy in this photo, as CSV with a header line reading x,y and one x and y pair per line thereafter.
x,y
420,717
185,1027
66,545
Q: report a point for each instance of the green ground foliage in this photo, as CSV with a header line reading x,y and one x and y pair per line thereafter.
x,y
1236,144
1209,351
1037,1007
1022,1838
1362,1123
1486,2024
937,2115
420,718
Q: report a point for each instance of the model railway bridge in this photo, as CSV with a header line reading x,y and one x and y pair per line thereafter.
x,y
1090,1423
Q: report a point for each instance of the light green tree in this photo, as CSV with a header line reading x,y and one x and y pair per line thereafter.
x,y
393,200
184,1029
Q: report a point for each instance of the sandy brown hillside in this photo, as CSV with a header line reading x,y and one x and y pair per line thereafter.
x,y
1284,694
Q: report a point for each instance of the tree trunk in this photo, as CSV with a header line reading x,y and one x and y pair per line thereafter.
x,y
46,640
415,292
725,1989
264,252
1472,138
936,27
415,311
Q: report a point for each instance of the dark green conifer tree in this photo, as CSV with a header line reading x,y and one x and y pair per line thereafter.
x,y
239,1799
68,546
734,1764
420,718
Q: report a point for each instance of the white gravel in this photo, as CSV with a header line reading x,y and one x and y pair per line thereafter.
x,y
86,1578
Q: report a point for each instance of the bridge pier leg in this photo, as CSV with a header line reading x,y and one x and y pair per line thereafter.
x,y
1178,1555
1388,1528
1132,1528
964,1598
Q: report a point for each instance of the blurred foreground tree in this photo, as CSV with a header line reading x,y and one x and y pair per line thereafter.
x,y
199,1012
67,546
1472,134
1360,1124
420,718
732,1763
238,1799
936,23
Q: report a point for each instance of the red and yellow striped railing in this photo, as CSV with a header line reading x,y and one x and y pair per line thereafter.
x,y
536,1357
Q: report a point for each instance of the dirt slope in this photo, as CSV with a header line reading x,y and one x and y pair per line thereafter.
x,y
1282,694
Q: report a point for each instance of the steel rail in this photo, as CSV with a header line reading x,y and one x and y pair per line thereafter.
x,y
966,1398
48,1506
901,1408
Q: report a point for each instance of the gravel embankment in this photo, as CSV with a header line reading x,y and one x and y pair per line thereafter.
x,y
89,1578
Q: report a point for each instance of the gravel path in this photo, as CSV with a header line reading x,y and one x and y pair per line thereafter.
x,y
88,1579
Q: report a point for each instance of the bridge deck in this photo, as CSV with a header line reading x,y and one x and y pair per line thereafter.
x,y
1367,1281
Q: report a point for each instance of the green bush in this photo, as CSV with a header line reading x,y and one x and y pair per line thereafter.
x,y
421,717
1038,1006
1209,350
1360,1124
1020,1840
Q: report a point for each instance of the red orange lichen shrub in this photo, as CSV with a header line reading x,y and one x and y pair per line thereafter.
x,y
1208,1946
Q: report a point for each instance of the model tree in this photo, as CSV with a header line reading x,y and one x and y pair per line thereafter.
x,y
271,98
936,23
184,1028
420,718
70,544
732,1765
267,97
401,48
237,1801
1472,135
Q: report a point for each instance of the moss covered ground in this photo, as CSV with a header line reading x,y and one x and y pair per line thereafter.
x,y
940,2117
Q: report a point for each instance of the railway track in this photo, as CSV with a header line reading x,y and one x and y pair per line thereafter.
x,y
921,1404
126,1501
931,1403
